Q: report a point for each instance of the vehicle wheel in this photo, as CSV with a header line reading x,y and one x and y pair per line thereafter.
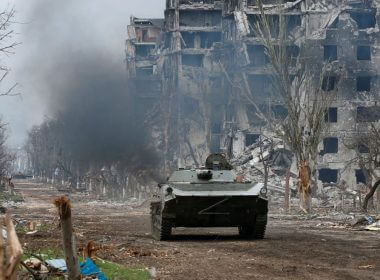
x,y
256,231
161,228
260,226
246,231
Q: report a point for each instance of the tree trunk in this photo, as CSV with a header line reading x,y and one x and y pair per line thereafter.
x,y
370,195
266,176
304,187
378,200
69,246
10,252
287,191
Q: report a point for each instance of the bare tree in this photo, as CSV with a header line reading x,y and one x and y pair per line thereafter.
x,y
266,146
6,157
305,90
367,149
7,46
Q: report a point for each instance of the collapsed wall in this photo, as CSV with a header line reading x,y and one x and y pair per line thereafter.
x,y
192,66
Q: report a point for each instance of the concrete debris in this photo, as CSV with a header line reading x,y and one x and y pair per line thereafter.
x,y
371,223
250,165
369,266
58,264
251,162
152,272
373,227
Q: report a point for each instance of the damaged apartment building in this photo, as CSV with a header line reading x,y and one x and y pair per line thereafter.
x,y
190,67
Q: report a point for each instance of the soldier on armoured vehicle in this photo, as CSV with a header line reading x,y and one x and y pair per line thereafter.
x,y
210,197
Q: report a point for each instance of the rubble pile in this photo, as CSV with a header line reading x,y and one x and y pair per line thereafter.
x,y
272,153
251,164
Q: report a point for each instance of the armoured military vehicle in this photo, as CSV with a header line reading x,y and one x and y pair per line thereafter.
x,y
210,197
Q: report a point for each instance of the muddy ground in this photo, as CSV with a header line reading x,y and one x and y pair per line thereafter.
x,y
292,249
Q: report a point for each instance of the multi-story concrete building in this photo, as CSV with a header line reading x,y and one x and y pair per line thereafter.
x,y
207,54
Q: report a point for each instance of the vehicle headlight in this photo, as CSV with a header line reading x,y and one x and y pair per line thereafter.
x,y
169,191
264,191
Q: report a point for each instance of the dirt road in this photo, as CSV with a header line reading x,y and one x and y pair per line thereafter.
x,y
292,249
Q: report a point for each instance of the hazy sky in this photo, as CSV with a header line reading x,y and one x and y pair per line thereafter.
x,y
49,27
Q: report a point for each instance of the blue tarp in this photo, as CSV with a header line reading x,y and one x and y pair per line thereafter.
x,y
88,268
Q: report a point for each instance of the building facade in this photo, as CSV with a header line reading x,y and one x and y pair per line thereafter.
x,y
193,65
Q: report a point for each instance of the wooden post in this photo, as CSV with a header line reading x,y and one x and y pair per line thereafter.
x,y
69,246
10,255
287,191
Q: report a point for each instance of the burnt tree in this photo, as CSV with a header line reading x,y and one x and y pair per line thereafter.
x,y
305,90
367,150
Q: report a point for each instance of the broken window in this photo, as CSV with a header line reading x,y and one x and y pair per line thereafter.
x,y
216,128
204,40
254,2
252,114
144,71
273,21
293,51
330,52
252,20
189,105
280,112
331,115
200,18
363,149
260,85
364,19
209,38
328,83
147,87
230,113
196,1
188,39
360,178
146,32
194,60
215,143
363,83
293,22
251,139
367,114
327,175
363,53
144,50
257,55
334,24
330,145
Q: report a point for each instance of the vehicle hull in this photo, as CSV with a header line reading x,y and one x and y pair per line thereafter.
x,y
214,211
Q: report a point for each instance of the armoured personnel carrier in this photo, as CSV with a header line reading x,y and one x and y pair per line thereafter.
x,y
210,197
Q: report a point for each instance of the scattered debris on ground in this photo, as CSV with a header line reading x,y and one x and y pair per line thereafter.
x,y
121,245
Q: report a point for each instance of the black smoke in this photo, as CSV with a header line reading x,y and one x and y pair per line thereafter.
x,y
83,83
97,111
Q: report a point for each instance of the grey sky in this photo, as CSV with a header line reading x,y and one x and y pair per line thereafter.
x,y
53,25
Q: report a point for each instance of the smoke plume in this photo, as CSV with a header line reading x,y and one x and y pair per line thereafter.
x,y
83,83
